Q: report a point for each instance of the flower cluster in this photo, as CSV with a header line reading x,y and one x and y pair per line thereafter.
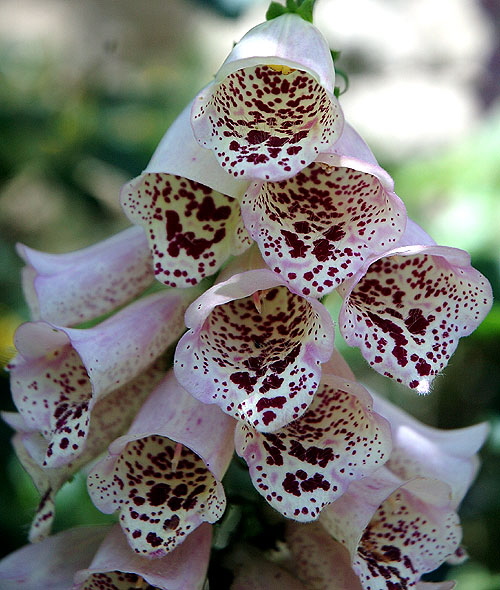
x,y
261,188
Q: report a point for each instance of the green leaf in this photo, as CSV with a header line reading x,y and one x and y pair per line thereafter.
x,y
305,9
275,10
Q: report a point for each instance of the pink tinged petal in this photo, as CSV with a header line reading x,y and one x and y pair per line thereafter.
x,y
447,585
60,373
407,310
412,532
164,475
53,562
271,108
252,571
318,228
423,451
192,229
257,357
115,565
308,464
320,561
74,287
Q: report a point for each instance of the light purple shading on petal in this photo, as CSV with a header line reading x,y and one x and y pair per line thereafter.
x,y
74,287
188,208
406,310
422,451
271,108
252,571
309,463
164,475
320,561
53,562
318,228
255,349
411,532
115,565
60,373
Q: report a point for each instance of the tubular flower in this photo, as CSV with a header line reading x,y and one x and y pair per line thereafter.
x,y
60,373
164,475
255,349
323,563
407,309
422,451
111,416
309,463
103,559
188,208
395,531
75,287
317,228
271,108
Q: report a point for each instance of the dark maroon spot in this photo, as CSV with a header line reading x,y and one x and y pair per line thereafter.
x,y
158,494
153,539
416,323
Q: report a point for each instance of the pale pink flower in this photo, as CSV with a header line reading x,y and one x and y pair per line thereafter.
x,y
255,348
164,475
407,309
60,373
317,228
271,109
188,207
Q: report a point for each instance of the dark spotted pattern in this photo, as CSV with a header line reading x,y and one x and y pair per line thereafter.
x,y
405,539
159,502
408,312
116,581
266,122
317,228
308,464
191,228
260,366
56,399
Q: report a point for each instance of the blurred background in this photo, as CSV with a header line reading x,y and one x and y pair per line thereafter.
x,y
88,88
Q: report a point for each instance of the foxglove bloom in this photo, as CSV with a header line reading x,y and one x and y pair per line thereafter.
x,y
407,309
317,228
395,531
422,451
255,349
164,475
60,373
271,108
75,287
188,208
111,417
92,558
323,563
309,463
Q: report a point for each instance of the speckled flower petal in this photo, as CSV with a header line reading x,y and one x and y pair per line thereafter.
x,y
422,451
60,373
111,416
53,562
116,567
407,309
188,208
255,349
317,228
310,463
411,532
271,108
74,287
164,475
